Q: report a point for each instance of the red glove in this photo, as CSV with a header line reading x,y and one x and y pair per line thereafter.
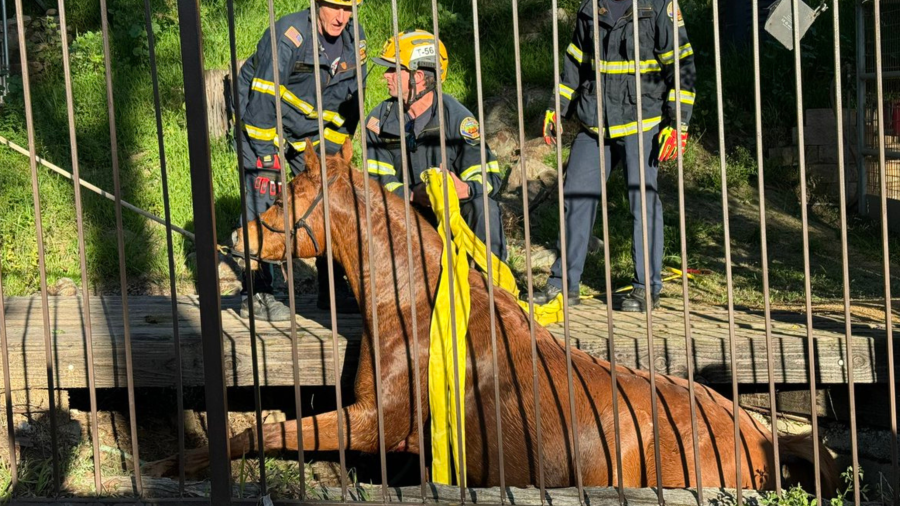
x,y
668,139
268,162
551,125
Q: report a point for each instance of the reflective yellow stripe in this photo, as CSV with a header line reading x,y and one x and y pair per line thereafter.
x,y
565,91
263,86
669,57
381,168
330,135
628,128
392,186
475,171
471,171
687,97
306,108
335,137
262,134
575,53
477,179
627,67
632,128
301,146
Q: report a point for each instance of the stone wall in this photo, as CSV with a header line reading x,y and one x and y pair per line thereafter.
x,y
821,154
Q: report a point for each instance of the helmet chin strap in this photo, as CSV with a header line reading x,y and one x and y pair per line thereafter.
x,y
411,96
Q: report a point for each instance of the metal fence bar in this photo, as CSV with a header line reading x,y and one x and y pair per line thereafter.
x,y
845,262
488,247
564,257
764,244
801,157
648,287
120,239
372,254
207,254
170,249
607,263
7,394
528,271
248,272
728,276
688,337
39,229
329,253
407,178
448,248
889,325
79,220
862,202
289,243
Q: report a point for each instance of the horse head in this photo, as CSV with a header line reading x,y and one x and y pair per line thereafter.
x,y
306,212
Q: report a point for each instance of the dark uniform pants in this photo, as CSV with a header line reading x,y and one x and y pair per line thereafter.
x,y
582,197
262,188
473,213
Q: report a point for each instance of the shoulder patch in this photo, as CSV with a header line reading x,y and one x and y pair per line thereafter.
x,y
374,124
470,131
363,56
294,36
670,10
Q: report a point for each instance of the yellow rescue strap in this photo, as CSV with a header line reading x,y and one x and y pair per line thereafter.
x,y
445,434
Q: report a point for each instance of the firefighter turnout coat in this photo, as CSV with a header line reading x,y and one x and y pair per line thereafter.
x,y
578,85
296,68
463,142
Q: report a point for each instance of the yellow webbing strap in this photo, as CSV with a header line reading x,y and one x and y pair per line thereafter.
x,y
441,386
445,432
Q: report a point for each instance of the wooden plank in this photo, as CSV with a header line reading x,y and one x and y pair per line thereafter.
x,y
151,333
151,329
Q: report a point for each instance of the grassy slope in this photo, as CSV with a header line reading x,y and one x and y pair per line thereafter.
x,y
139,158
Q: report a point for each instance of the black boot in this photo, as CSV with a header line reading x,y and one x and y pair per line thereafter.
x,y
636,301
344,301
551,291
266,307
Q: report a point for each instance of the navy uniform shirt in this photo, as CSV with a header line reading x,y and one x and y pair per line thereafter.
x,y
296,71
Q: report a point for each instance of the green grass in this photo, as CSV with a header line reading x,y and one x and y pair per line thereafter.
x,y
141,181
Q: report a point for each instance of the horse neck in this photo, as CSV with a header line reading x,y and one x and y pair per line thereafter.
x,y
390,255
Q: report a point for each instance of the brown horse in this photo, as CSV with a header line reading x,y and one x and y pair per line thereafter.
x,y
592,377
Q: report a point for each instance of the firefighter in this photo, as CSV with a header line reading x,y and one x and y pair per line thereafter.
x,y
661,129
416,86
338,54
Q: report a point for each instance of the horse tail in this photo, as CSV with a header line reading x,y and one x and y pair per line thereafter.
x,y
798,464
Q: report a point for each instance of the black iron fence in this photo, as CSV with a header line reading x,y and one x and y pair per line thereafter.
x,y
596,68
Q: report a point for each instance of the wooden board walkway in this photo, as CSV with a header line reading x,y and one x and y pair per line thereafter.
x,y
151,328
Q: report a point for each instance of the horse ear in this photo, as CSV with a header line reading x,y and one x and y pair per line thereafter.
x,y
312,160
347,151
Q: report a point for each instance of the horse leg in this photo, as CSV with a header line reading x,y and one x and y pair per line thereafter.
x,y
319,434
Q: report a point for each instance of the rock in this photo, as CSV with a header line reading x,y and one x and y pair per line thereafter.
x,y
52,12
65,287
35,67
595,244
542,258
533,168
504,144
549,178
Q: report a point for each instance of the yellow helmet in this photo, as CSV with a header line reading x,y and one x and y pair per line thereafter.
x,y
416,53
346,3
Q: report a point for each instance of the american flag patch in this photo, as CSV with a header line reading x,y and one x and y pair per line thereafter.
x,y
374,125
294,36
